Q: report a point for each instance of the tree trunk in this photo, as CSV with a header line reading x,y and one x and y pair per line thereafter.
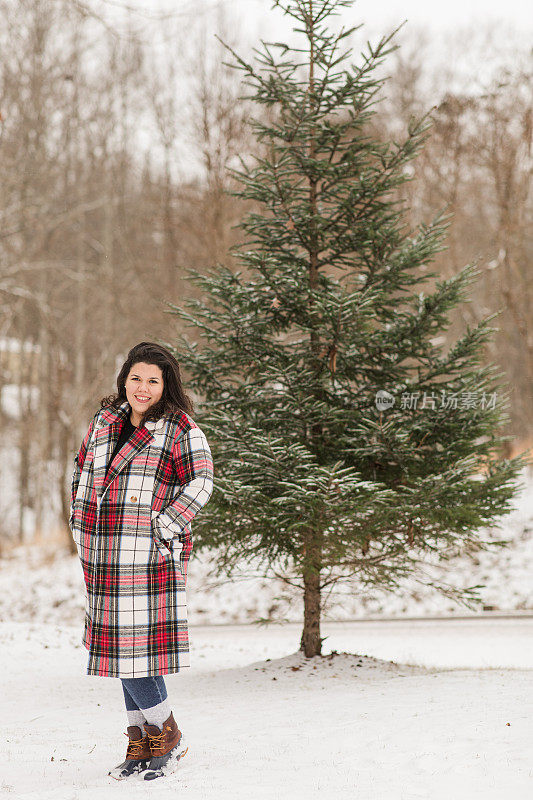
x,y
24,437
65,455
311,642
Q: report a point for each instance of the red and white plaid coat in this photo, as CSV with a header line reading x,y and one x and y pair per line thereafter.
x,y
133,535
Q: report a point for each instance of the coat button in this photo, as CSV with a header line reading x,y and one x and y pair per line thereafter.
x,y
133,498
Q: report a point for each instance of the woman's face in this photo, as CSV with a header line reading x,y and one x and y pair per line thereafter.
x,y
144,387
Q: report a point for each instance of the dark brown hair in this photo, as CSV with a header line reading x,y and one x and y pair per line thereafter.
x,y
173,400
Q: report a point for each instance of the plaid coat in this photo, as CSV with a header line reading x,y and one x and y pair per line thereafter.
x,y
133,535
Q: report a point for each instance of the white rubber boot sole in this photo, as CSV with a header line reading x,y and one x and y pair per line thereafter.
x,y
160,766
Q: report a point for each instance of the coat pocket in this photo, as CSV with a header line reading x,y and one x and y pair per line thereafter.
x,y
160,543
76,534
166,547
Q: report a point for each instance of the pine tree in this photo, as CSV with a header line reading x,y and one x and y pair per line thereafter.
x,y
347,445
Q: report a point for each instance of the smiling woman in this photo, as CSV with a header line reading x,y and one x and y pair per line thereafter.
x,y
143,471
144,388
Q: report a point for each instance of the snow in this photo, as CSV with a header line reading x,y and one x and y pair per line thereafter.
x,y
396,708
264,722
11,345
13,398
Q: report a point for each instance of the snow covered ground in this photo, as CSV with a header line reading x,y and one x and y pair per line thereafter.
x,y
264,722
394,710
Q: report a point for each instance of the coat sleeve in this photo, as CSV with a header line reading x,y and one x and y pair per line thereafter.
x,y
79,459
194,466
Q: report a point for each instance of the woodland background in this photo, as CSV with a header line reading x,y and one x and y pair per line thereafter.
x,y
115,150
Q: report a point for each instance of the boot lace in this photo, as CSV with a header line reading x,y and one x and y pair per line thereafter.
x,y
156,742
135,747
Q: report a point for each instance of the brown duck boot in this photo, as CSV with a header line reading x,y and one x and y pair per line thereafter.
x,y
167,746
138,754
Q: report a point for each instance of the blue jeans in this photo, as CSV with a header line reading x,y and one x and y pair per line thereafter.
x,y
142,693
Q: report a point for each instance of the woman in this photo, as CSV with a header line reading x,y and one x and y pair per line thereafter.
x,y
144,469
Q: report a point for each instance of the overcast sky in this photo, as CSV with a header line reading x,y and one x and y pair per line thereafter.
x,y
428,12
475,39
433,14
458,31
442,21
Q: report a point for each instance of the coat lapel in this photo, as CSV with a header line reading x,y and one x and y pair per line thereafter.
x,y
137,441
106,439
